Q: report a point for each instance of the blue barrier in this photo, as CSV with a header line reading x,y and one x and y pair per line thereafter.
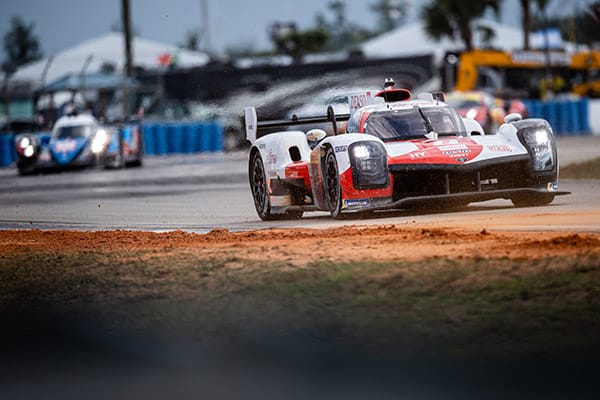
x,y
160,139
189,139
204,138
175,139
567,117
171,138
149,146
7,149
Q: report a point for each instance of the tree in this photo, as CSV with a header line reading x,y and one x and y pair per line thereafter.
x,y
21,45
342,34
581,27
451,18
390,14
299,43
192,41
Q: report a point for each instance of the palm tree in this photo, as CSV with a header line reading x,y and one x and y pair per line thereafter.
x,y
451,18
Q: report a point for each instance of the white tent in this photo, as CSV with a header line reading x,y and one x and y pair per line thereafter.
x,y
108,48
412,40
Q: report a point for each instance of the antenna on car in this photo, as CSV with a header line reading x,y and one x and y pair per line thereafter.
x,y
388,84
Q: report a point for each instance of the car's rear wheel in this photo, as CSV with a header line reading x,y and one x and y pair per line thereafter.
x,y
331,184
532,199
118,161
260,191
139,159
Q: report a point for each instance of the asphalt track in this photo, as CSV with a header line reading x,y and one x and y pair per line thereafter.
x,y
198,193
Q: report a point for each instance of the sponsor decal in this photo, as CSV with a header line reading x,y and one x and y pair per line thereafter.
x,y
445,142
357,101
552,186
357,203
462,159
262,146
271,157
453,147
499,148
340,149
64,146
456,153
417,154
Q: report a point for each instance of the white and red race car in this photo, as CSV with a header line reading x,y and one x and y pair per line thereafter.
x,y
397,152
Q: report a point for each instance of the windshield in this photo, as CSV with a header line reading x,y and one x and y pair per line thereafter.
x,y
73,132
410,124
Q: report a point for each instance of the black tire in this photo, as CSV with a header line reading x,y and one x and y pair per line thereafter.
x,y
532,199
260,191
139,160
331,184
24,171
118,161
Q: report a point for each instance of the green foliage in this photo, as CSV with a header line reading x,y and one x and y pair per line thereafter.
x,y
300,43
21,45
580,28
452,19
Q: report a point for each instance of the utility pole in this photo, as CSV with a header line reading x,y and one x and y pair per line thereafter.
x,y
126,22
205,26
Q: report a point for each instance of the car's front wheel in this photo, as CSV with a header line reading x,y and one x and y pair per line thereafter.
x,y
331,184
532,199
260,191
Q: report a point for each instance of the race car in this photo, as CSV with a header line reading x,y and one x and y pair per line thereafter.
x,y
480,106
397,152
80,141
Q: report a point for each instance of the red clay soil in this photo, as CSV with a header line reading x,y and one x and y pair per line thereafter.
x,y
302,246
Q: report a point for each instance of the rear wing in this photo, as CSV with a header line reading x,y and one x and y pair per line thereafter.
x,y
253,125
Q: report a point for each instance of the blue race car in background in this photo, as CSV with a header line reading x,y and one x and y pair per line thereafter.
x,y
80,141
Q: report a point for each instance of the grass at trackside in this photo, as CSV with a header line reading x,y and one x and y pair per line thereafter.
x,y
585,170
458,306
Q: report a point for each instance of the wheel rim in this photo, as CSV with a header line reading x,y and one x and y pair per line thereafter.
x,y
332,182
259,189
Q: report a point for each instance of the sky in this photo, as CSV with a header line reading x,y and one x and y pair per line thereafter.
x,y
60,24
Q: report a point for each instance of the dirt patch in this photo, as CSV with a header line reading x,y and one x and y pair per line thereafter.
x,y
303,246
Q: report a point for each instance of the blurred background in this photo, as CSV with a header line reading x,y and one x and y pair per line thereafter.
x,y
204,60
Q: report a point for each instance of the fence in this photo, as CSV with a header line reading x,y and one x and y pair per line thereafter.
x,y
567,117
159,139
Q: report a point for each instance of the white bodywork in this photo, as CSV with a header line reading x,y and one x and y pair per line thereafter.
x,y
285,153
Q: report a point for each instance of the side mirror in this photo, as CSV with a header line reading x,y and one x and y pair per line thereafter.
x,y
473,127
314,135
514,117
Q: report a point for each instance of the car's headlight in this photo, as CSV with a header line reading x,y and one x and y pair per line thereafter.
x,y
24,142
99,141
25,147
539,142
369,165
